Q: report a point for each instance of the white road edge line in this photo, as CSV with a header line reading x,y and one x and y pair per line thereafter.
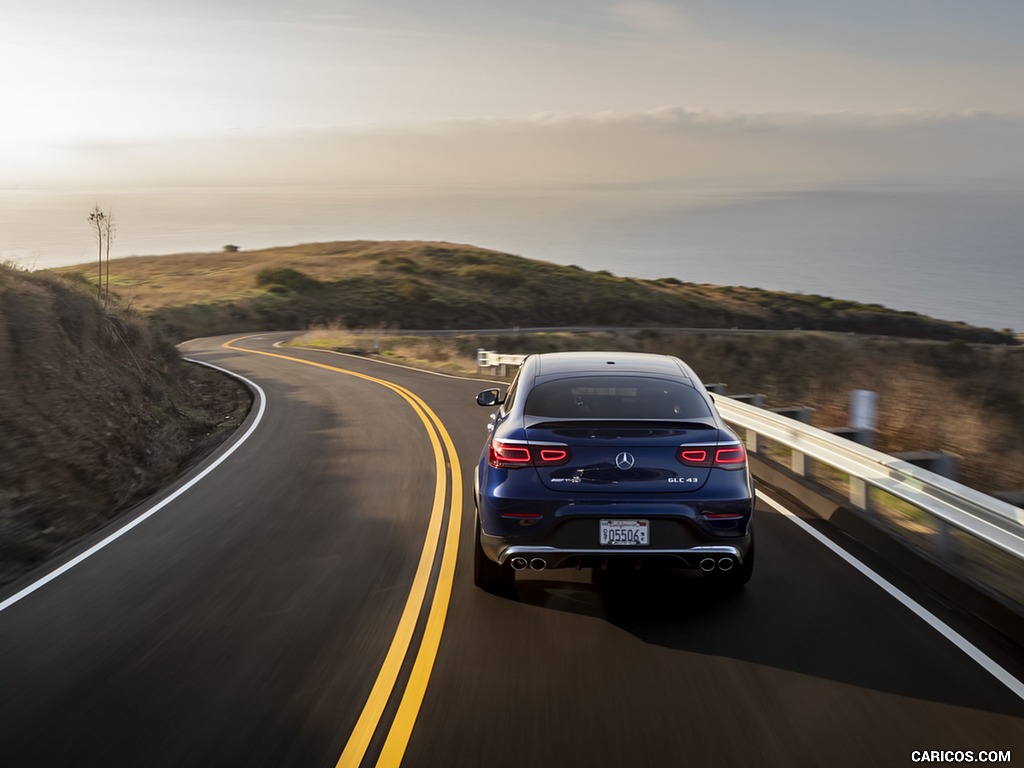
x,y
156,508
929,618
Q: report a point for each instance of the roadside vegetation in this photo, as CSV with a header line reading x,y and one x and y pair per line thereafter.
x,y
964,399
424,285
943,385
97,412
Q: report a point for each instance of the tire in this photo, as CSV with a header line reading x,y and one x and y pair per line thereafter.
x,y
487,574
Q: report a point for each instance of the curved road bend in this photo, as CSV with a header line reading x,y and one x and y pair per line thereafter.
x,y
287,610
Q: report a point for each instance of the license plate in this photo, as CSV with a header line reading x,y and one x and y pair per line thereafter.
x,y
625,533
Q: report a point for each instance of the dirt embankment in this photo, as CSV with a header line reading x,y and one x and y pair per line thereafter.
x,y
97,411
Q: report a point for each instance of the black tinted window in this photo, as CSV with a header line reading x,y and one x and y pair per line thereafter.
x,y
615,397
510,395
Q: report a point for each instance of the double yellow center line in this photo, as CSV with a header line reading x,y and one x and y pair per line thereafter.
x,y
387,678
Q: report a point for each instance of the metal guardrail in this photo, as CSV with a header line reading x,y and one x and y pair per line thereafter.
x,y
979,537
486,358
994,521
497,362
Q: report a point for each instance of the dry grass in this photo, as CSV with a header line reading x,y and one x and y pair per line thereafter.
x,y
948,395
423,285
151,282
433,353
933,396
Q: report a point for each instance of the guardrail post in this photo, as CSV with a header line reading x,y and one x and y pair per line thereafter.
x,y
800,413
863,407
939,462
859,495
865,437
948,548
752,441
756,400
798,463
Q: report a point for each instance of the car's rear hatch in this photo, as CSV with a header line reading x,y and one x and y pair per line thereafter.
x,y
624,457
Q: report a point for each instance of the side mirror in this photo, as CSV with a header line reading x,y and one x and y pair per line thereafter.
x,y
490,398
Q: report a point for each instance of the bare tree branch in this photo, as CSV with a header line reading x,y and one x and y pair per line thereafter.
x,y
104,230
97,221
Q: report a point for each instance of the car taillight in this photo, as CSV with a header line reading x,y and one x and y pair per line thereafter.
x,y
553,455
506,455
726,457
695,457
732,457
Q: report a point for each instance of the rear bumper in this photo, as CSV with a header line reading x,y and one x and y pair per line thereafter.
x,y
521,523
701,557
697,558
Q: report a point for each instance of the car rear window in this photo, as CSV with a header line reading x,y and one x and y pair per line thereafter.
x,y
616,397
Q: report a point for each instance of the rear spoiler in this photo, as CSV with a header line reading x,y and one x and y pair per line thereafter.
x,y
532,422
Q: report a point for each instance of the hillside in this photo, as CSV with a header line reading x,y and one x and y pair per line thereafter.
x,y
97,411
421,285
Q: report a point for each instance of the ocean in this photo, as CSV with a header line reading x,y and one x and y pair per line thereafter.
x,y
951,250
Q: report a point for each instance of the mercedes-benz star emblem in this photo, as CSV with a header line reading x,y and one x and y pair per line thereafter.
x,y
625,460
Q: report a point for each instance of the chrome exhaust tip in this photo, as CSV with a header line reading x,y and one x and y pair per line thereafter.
x,y
518,563
707,564
725,564
538,564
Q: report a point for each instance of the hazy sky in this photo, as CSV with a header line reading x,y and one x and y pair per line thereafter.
x,y
462,91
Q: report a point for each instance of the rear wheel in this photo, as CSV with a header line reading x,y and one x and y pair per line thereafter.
x,y
487,574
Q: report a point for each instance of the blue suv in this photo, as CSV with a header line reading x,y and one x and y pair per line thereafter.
x,y
599,459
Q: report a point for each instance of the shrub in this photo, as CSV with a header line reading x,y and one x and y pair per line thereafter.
x,y
495,275
274,279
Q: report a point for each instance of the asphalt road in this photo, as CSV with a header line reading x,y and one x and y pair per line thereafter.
x,y
310,601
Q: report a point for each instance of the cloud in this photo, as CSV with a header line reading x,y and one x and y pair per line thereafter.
x,y
670,144
649,17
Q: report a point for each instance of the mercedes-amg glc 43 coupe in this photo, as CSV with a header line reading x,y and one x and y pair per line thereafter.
x,y
605,459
